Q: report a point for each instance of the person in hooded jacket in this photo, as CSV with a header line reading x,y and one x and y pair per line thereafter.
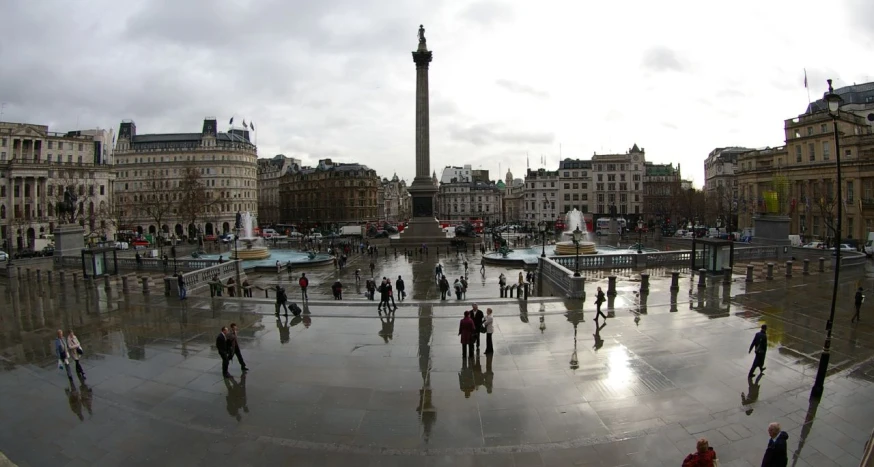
x,y
704,456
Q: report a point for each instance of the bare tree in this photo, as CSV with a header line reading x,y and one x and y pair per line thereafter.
x,y
193,199
156,201
116,212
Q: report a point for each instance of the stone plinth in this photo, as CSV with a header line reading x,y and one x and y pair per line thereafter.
x,y
771,230
69,240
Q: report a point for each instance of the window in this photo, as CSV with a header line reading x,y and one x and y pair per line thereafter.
x,y
811,152
567,174
850,193
798,153
567,186
600,177
611,186
585,186
826,152
848,152
81,147
567,196
585,197
823,128
850,226
576,196
611,178
50,144
576,186
102,190
809,130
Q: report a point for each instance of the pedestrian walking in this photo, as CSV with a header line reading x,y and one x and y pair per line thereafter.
x,y
303,282
444,287
372,268
482,266
139,260
383,296
278,267
247,289
521,279
221,259
704,456
357,276
775,454
232,287
760,344
399,284
75,351
391,295
599,300
858,302
490,329
183,292
337,290
502,280
63,352
165,261
371,289
439,271
466,329
234,347
457,287
465,267
463,281
221,344
281,300
479,322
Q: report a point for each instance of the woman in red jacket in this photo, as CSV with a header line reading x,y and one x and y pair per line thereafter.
x,y
704,457
466,329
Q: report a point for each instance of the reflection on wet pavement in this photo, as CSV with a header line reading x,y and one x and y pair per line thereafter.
x,y
344,384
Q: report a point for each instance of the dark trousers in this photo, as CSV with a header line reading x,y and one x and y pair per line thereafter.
x,y
476,340
239,357
225,362
79,368
442,295
392,298
383,301
467,349
856,316
401,295
283,305
489,348
758,362
303,292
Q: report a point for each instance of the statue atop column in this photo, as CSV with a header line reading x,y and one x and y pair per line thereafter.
x,y
421,34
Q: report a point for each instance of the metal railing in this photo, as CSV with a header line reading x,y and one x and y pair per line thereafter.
x,y
562,278
148,264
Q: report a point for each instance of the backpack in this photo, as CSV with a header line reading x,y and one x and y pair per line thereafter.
x,y
295,310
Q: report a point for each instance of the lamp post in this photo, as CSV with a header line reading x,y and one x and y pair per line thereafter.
x,y
578,235
639,236
543,235
834,104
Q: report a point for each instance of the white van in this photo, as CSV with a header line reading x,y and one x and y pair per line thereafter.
x,y
267,233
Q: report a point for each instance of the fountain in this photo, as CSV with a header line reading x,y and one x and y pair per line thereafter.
x,y
574,220
251,250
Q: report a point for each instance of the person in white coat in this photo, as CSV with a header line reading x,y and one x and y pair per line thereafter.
x,y
490,328
75,352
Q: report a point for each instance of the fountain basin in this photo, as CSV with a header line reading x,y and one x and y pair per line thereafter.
x,y
569,248
256,252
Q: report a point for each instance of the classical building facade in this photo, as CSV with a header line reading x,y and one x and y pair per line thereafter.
x,y
618,180
37,166
802,172
513,200
184,184
541,196
393,200
575,185
661,191
329,194
270,171
465,200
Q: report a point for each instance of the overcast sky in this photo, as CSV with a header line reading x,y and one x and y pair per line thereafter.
x,y
335,78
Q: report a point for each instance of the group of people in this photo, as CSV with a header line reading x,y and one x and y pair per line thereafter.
x,y
471,326
776,454
68,348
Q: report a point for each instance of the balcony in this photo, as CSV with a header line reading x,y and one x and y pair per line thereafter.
x,y
868,203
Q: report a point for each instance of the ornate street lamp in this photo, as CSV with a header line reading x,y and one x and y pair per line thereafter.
x,y
578,235
542,226
639,236
834,104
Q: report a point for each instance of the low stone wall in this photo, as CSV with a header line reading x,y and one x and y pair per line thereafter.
x,y
201,278
561,277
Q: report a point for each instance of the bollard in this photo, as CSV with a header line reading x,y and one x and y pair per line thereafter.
x,y
726,275
124,284
644,283
106,284
806,270
822,265
702,278
61,275
49,276
788,268
673,302
675,280
145,285
75,279
27,274
38,275
750,269
611,286
770,275
502,291
526,291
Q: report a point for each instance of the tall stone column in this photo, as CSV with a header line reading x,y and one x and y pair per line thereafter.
x,y
422,189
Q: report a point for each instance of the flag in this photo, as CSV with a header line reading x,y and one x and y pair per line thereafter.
x,y
252,126
527,161
244,123
805,77
231,122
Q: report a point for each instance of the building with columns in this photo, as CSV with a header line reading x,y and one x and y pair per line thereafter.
x,y
330,194
270,171
513,201
575,185
803,170
184,184
37,166
465,200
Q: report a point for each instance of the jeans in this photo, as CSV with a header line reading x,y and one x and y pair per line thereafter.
x,y
182,292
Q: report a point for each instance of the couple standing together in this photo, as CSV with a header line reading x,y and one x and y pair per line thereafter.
x,y
472,325
228,346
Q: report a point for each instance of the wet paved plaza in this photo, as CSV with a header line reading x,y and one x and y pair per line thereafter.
x,y
343,385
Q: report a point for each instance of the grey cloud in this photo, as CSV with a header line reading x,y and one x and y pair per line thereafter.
x,y
486,133
669,125
862,14
487,12
521,88
662,58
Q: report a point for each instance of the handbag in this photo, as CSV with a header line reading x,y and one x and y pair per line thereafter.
x,y
79,351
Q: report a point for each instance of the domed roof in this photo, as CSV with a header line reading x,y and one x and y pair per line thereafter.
x,y
501,185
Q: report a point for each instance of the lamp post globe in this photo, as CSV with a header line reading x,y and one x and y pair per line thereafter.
x,y
577,236
834,103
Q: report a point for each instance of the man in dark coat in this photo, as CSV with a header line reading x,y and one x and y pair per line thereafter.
x,y
760,344
383,296
858,302
444,287
222,345
775,454
478,318
466,329
399,285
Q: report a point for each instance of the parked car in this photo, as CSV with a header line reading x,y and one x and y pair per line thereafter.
x,y
228,238
316,236
295,235
26,253
210,238
4,256
847,247
818,245
122,245
48,250
140,243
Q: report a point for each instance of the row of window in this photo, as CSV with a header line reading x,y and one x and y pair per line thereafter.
x,y
50,143
16,190
131,159
49,158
